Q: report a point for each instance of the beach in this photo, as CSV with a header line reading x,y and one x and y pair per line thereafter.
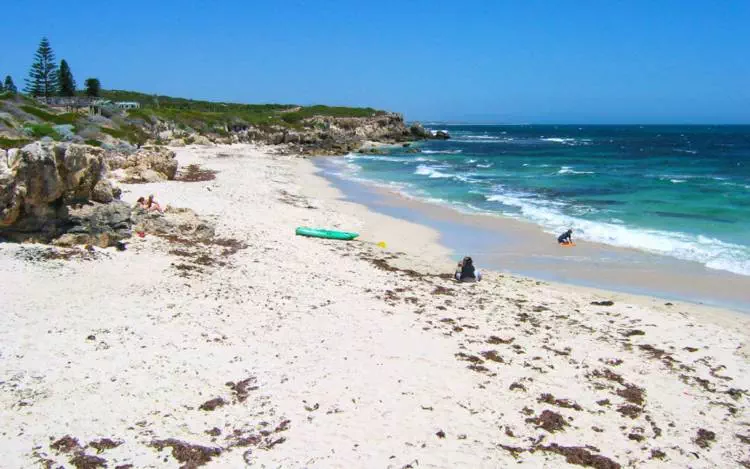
x,y
272,350
521,247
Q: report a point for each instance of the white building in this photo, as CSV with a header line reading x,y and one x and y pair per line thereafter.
x,y
128,105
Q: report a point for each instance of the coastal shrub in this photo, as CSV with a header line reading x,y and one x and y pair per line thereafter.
x,y
89,132
141,114
292,117
5,95
41,131
116,133
338,111
107,112
65,131
129,133
92,142
205,115
6,143
60,119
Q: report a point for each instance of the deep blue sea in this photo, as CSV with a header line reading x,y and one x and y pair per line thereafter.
x,y
680,191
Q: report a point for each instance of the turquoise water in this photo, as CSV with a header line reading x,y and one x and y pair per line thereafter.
x,y
680,191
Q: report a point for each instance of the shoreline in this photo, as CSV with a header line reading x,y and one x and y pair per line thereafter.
x,y
301,352
523,248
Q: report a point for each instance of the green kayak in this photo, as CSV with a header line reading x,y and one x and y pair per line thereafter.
x,y
328,234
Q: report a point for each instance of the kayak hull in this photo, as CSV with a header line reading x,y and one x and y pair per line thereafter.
x,y
325,234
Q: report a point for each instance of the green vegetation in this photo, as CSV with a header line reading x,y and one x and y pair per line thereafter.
x,y
6,122
215,116
43,76
66,83
42,130
130,133
93,87
60,119
160,101
334,111
9,86
142,114
92,142
113,132
6,143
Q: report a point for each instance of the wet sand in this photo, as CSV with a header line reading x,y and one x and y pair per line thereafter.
x,y
510,245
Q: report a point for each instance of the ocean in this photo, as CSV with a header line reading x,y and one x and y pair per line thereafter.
x,y
678,191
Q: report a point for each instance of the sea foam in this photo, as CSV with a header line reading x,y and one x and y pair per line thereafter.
x,y
431,172
711,252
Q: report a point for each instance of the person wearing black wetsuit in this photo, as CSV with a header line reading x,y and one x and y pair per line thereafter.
x,y
466,272
566,238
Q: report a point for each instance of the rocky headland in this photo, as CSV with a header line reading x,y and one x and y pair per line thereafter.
x,y
59,171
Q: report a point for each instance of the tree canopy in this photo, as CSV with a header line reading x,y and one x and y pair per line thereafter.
x,y
93,87
43,75
66,85
9,85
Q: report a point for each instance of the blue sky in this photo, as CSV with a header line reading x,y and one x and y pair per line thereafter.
x,y
563,61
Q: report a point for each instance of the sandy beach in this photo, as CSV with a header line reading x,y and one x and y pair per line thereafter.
x,y
272,350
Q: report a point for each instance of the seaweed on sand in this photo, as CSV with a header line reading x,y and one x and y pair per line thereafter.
x,y
548,420
190,455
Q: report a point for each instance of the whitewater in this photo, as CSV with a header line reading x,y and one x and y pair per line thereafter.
x,y
678,191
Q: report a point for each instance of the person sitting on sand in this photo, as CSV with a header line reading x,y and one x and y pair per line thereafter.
x,y
150,205
466,272
566,238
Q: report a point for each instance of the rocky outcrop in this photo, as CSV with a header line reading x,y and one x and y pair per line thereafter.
x,y
100,225
105,192
174,222
327,135
39,181
148,164
105,225
59,193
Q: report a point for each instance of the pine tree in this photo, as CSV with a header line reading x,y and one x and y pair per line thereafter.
x,y
10,86
93,86
2,88
66,83
42,80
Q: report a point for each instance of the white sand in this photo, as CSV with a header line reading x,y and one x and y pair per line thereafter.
x,y
367,364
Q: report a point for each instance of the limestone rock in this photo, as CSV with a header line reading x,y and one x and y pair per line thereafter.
x,y
98,224
39,180
201,140
104,192
180,222
150,164
82,167
417,131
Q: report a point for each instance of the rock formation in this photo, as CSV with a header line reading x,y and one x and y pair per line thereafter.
x,y
101,225
174,222
39,181
148,164
327,135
